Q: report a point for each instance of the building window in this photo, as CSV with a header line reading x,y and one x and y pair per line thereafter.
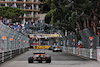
x,y
19,0
2,0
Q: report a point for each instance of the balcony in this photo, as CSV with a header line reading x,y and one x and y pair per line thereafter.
x,y
2,0
19,1
10,0
29,8
36,16
28,16
32,10
29,0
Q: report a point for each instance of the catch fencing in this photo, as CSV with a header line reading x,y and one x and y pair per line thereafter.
x,y
87,50
12,43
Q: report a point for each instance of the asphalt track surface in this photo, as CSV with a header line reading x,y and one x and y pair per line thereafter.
x,y
59,59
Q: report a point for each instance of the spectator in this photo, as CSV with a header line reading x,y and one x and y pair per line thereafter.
x,y
29,22
79,42
26,22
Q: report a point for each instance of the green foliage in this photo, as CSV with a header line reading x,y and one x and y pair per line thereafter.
x,y
68,13
52,6
74,14
11,13
48,16
48,2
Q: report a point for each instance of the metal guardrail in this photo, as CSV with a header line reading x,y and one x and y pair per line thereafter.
x,y
87,50
12,43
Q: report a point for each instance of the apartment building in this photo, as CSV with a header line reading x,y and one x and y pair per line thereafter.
x,y
30,6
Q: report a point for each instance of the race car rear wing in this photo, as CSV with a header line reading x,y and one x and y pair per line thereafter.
x,y
39,53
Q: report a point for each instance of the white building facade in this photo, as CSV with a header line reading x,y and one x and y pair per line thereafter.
x,y
30,6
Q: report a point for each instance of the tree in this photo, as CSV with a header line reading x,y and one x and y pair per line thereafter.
x,y
90,12
49,16
11,13
95,14
60,14
72,13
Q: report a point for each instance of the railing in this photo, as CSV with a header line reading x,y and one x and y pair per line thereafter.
x,y
29,1
21,1
28,15
12,43
36,16
10,0
2,0
30,8
86,50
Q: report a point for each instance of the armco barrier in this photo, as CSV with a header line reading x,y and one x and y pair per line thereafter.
x,y
83,52
12,43
87,50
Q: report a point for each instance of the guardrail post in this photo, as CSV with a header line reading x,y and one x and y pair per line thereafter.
x,y
91,53
73,43
91,47
73,50
64,45
2,56
23,49
20,51
10,53
98,54
19,46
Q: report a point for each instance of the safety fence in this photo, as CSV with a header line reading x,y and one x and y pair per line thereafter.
x,y
89,46
82,52
12,43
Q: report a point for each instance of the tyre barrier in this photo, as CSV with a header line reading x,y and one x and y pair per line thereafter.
x,y
4,56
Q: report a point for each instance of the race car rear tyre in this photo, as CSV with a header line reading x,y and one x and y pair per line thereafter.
x,y
48,59
30,60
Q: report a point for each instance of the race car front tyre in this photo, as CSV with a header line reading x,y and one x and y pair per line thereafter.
x,y
30,60
48,59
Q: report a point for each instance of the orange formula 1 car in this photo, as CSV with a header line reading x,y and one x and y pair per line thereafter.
x,y
39,56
